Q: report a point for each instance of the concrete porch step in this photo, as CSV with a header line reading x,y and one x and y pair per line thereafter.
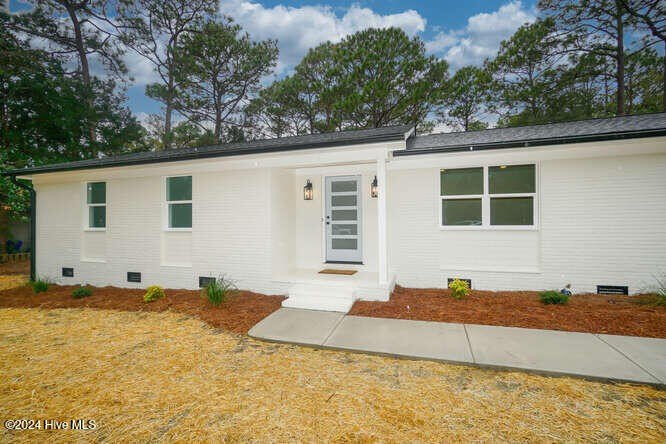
x,y
320,296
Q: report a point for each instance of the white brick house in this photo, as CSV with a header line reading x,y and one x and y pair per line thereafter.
x,y
537,207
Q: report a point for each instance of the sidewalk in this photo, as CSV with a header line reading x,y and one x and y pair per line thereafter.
x,y
596,356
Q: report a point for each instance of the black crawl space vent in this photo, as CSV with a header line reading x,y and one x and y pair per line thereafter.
x,y
449,280
612,289
67,272
133,276
204,281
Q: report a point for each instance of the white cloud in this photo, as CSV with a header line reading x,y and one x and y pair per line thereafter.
x,y
482,35
140,68
142,117
299,28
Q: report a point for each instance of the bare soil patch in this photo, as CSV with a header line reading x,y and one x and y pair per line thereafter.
x,y
237,314
619,315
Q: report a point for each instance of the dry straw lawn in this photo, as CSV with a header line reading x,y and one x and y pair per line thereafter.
x,y
8,282
170,377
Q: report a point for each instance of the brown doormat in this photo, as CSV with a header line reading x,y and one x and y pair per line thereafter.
x,y
332,271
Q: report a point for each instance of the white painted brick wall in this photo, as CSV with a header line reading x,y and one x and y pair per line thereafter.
x,y
58,228
232,229
231,233
603,221
283,218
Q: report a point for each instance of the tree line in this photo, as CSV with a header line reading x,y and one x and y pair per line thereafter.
x,y
63,77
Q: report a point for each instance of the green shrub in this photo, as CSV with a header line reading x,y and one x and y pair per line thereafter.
x,y
40,285
553,297
153,293
659,299
218,290
657,294
459,288
660,293
81,292
652,299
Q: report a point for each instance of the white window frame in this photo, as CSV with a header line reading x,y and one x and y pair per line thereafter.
x,y
166,203
485,200
86,216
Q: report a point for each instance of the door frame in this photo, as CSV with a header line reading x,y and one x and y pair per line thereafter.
x,y
359,217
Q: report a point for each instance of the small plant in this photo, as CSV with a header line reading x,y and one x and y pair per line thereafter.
x,y
657,294
81,292
40,285
153,293
553,297
459,288
218,290
661,286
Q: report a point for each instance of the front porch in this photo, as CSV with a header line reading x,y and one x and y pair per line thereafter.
x,y
331,216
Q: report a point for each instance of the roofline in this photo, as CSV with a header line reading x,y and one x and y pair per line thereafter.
x,y
526,143
109,162
564,122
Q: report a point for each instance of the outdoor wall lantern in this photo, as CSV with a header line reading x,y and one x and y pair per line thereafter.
x,y
307,190
373,188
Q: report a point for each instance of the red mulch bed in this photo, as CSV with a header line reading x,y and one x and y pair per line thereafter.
x,y
238,313
619,315
18,267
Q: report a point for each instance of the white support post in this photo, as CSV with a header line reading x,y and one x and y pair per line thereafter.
x,y
382,232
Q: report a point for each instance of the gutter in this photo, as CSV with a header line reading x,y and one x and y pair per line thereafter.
x,y
33,222
533,142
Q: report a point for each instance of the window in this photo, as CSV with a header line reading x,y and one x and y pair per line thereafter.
x,y
462,194
489,196
96,202
179,201
512,190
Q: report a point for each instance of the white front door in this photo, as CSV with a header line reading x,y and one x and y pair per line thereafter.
x,y
343,219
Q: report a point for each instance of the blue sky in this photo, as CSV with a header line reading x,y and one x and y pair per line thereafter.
x,y
463,31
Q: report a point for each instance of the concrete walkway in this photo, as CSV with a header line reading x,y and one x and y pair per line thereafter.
x,y
596,356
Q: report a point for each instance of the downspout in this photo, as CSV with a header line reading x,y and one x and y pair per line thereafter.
x,y
33,223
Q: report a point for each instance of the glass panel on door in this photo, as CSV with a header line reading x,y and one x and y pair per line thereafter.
x,y
344,229
339,186
343,201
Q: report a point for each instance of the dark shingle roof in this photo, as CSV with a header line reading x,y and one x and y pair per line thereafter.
x,y
323,140
547,134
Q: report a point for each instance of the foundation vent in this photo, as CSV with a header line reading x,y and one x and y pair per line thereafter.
x,y
612,289
205,280
133,276
67,272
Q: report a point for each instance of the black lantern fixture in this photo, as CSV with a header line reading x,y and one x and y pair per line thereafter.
x,y
307,190
374,192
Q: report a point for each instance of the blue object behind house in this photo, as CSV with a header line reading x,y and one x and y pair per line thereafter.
x,y
13,246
